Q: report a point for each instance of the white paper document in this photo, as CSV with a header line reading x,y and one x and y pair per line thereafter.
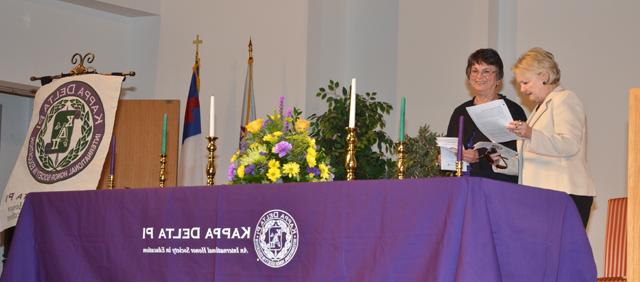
x,y
448,153
492,119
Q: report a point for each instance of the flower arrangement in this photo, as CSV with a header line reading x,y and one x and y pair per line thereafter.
x,y
279,149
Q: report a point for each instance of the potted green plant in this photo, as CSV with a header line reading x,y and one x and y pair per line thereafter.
x,y
329,129
421,155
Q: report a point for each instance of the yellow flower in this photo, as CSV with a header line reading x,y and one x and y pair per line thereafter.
x,y
271,138
273,174
274,117
291,169
274,164
235,156
241,171
277,133
311,156
302,125
312,142
254,126
324,171
253,155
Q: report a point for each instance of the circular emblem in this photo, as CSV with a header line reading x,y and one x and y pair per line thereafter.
x,y
276,238
68,132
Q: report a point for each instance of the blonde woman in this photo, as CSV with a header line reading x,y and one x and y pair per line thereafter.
x,y
552,145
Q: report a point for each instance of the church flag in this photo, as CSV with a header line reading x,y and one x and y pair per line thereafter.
x,y
67,140
191,170
248,101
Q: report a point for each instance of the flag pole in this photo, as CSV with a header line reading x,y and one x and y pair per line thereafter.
x,y
248,112
250,84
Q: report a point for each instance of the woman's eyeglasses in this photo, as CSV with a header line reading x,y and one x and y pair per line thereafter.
x,y
483,73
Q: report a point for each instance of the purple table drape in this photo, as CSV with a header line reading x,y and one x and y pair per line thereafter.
x,y
437,229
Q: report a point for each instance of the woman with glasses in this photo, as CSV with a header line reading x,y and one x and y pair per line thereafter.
x,y
484,77
552,148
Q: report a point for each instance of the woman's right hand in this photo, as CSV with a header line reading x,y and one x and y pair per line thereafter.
x,y
470,156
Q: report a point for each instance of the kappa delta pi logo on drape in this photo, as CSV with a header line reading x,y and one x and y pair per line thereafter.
x,y
67,140
69,129
276,238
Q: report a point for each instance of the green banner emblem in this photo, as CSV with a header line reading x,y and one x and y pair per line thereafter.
x,y
62,131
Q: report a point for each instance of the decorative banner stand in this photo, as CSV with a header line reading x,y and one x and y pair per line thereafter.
x,y
78,60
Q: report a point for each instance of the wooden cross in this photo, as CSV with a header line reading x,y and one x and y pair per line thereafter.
x,y
197,42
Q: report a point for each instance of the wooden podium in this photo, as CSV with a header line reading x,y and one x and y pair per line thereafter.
x,y
138,133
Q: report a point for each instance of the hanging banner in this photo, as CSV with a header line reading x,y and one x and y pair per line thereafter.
x,y
67,141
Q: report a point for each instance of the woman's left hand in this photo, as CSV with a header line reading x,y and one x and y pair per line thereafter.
x,y
520,129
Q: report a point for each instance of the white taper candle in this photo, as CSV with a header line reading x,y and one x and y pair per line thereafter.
x,y
212,117
352,105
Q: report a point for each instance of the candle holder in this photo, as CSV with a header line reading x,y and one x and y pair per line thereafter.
x,y
163,171
111,181
401,158
350,161
211,164
458,168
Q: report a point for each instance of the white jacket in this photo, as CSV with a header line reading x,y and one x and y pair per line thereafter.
x,y
555,156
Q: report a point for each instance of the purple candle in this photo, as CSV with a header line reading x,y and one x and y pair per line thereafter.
x,y
460,130
112,165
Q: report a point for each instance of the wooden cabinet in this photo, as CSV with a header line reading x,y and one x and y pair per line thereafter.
x,y
138,133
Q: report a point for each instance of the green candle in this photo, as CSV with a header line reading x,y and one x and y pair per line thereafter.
x,y
402,103
164,134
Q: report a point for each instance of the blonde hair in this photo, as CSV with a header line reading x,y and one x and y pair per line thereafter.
x,y
538,61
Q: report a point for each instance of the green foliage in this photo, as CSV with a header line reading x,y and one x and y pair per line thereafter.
x,y
421,155
373,145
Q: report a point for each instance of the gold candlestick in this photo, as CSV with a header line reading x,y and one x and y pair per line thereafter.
x,y
163,171
458,168
401,158
350,161
111,181
211,164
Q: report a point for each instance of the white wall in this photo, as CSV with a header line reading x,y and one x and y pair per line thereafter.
x,y
278,30
41,35
349,39
417,49
326,49
434,41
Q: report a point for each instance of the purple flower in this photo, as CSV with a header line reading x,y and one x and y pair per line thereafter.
x,y
243,146
313,170
282,148
262,153
286,122
249,169
281,108
231,172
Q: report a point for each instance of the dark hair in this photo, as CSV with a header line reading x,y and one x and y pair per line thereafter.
x,y
487,56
